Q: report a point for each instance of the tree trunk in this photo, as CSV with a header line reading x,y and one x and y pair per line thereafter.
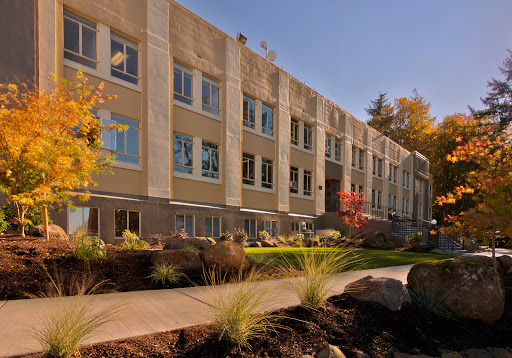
x,y
493,243
45,222
21,218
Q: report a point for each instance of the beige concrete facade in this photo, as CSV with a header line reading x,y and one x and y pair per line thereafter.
x,y
158,186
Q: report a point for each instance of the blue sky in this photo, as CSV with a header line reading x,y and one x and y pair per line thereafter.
x,y
350,50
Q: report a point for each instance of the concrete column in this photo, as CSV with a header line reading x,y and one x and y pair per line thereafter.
x,y
319,170
197,89
282,164
156,130
347,155
197,156
232,126
369,165
48,12
103,45
257,113
257,159
385,175
400,179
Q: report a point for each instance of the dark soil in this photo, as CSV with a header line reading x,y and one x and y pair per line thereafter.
x,y
344,322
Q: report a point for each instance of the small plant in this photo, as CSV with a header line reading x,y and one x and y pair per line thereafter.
x,y
315,270
3,222
191,248
166,273
432,299
236,310
299,240
264,235
86,247
226,236
133,242
156,239
182,234
240,236
334,234
414,241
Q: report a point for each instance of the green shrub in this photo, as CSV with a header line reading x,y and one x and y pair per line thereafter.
x,y
334,234
182,234
240,236
431,298
236,309
314,273
226,236
192,248
166,273
85,247
264,235
133,242
156,239
414,241
33,217
66,327
3,222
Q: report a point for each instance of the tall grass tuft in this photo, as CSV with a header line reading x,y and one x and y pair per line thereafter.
x,y
133,242
166,273
313,273
431,298
236,308
65,328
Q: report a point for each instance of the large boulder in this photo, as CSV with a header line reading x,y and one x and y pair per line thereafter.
x,y
330,351
387,291
55,231
470,290
505,262
268,243
186,259
179,243
225,256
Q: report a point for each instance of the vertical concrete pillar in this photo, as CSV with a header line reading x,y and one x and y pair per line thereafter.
x,y
400,181
283,145
156,129
347,157
104,43
48,11
386,175
232,126
369,165
319,177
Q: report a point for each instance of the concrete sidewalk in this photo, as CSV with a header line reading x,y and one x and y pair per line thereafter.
x,y
146,312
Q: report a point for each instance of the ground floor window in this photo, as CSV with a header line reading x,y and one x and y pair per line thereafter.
x,y
184,221
250,228
272,227
85,218
127,220
212,226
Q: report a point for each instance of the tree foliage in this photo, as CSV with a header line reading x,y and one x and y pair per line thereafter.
x,y
49,143
352,216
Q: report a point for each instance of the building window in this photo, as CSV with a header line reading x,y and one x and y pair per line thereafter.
x,y
294,180
249,112
124,58
405,206
360,189
420,210
353,188
126,147
393,173
183,153
212,226
127,220
354,157
406,177
328,148
361,159
376,199
272,227
430,191
250,228
430,213
307,183
420,187
84,218
392,202
210,160
337,150
267,120
183,84
210,95
308,137
294,132
184,221
377,167
248,169
267,173
80,40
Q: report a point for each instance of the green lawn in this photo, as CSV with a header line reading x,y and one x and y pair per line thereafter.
x,y
368,258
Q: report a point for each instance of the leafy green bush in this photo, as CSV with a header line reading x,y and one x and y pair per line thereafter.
x,y
264,235
133,242
334,234
166,273
226,236
240,236
33,217
414,241
3,222
86,247
182,234
156,239
191,248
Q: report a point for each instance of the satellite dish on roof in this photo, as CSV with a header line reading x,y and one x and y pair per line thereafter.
x,y
272,55
263,45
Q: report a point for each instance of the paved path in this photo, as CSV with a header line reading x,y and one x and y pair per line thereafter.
x,y
146,312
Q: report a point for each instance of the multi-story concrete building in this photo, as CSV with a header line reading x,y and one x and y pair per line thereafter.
x,y
218,137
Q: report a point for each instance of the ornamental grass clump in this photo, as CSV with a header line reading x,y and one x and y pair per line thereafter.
x,y
313,272
236,308
166,274
86,247
431,298
133,242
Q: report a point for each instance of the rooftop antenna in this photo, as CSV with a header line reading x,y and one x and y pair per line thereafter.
x,y
269,55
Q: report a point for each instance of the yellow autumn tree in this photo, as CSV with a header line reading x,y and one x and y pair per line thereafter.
x,y
49,144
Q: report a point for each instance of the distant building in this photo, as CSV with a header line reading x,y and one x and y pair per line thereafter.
x,y
218,137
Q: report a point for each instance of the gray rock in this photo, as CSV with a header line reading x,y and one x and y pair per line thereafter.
x,y
500,352
178,244
225,256
358,354
55,231
405,355
255,244
451,355
306,356
387,291
268,243
330,351
505,262
186,259
476,353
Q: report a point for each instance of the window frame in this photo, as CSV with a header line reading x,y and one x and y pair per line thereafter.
x,y
294,132
128,211
266,109
127,43
82,22
328,146
337,150
307,137
254,227
248,160
246,115
212,226
270,229
126,121
267,169
213,174
185,216
205,106
82,208
180,96
294,174
307,183
189,169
